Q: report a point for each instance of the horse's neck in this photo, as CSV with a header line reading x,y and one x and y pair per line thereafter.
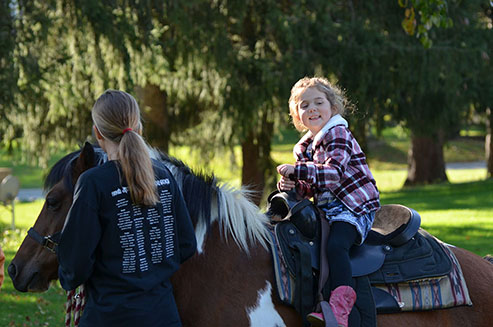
x,y
221,255
222,274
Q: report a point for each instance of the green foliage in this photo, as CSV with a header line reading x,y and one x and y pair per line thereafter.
x,y
8,73
226,77
61,71
385,71
433,13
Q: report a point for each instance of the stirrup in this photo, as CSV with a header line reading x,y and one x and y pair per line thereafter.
x,y
316,319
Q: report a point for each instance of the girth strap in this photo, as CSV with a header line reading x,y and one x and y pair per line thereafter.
x,y
49,242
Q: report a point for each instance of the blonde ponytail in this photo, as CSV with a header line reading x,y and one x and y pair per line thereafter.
x,y
137,168
116,114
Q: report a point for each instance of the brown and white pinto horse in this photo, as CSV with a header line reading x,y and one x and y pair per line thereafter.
x,y
229,282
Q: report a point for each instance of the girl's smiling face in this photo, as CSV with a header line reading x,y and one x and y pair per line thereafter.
x,y
314,109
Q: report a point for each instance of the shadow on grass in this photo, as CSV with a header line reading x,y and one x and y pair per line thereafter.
x,y
473,195
384,152
476,239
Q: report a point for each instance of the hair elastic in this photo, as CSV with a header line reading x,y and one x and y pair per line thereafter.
x,y
126,130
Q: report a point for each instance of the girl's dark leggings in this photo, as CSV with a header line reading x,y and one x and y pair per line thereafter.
x,y
341,237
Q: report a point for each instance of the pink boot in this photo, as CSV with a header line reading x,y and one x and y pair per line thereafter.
x,y
341,302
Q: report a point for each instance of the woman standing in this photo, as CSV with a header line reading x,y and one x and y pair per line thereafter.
x,y
128,229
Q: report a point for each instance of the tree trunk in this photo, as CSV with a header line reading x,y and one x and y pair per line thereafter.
x,y
153,104
489,142
258,167
252,174
359,130
426,164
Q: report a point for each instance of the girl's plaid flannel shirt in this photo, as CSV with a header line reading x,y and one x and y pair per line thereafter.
x,y
336,164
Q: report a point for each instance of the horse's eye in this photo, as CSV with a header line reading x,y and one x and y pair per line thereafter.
x,y
52,203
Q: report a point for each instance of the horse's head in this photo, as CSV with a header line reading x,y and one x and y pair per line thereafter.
x,y
35,266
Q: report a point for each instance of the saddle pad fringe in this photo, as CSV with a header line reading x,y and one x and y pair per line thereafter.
x,y
430,294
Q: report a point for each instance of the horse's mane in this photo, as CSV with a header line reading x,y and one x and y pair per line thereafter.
x,y
62,169
206,200
194,186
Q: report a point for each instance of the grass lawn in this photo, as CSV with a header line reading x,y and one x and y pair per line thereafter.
x,y
30,176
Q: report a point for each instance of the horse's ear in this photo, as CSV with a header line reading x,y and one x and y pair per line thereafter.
x,y
85,161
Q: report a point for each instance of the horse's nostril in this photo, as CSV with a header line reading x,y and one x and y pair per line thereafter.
x,y
12,271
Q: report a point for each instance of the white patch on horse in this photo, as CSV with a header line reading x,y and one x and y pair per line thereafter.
x,y
264,314
201,228
200,232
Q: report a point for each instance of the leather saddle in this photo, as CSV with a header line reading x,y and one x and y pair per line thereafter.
x,y
396,250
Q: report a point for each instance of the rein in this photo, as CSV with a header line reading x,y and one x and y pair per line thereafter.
x,y
76,301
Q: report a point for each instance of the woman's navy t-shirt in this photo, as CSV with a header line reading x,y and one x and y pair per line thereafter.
x,y
123,253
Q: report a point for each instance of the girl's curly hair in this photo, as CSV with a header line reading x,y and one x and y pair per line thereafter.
x,y
333,93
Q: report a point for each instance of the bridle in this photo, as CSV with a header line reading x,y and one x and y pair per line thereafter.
x,y
76,301
49,242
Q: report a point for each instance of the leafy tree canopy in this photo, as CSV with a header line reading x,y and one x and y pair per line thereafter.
x,y
226,67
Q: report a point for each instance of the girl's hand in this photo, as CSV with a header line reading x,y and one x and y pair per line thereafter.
x,y
285,184
285,170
